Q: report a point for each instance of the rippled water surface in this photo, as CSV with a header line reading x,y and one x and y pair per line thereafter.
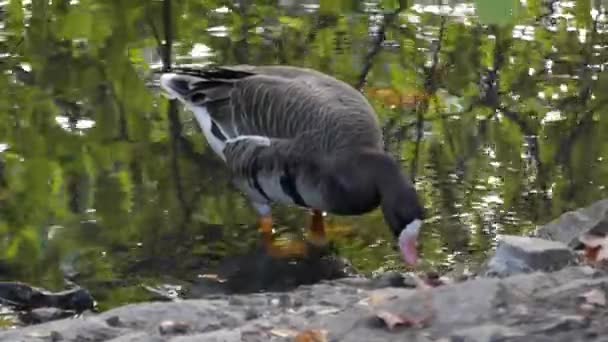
x,y
499,122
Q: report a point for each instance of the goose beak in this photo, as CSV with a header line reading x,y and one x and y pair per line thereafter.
x,y
408,242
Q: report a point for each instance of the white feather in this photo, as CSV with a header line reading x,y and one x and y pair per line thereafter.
x,y
269,182
200,113
258,139
204,120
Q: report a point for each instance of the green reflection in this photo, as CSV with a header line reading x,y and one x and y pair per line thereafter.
x,y
501,126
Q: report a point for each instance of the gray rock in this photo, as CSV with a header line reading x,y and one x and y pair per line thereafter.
x,y
460,304
571,225
214,336
90,329
138,337
173,328
150,316
388,279
41,315
565,323
516,254
486,333
523,307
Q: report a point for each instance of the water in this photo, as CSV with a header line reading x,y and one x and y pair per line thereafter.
x,y
500,126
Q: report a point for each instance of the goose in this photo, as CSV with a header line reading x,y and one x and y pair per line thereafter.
x,y
298,137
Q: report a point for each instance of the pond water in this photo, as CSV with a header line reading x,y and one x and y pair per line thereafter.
x,y
500,125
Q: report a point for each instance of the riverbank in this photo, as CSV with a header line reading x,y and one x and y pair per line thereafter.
x,y
550,287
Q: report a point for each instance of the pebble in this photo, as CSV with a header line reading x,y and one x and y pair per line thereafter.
x,y
251,313
172,327
114,321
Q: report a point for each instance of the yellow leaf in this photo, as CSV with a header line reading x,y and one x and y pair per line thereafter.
x,y
312,336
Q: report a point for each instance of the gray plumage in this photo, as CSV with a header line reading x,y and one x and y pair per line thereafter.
x,y
306,115
296,136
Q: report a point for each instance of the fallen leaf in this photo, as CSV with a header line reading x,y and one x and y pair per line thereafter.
x,y
377,298
596,247
283,332
312,336
390,319
595,297
395,98
328,311
433,279
587,307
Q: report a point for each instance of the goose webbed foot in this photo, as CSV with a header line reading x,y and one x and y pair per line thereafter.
x,y
280,249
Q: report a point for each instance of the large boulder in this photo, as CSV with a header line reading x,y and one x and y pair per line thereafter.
x,y
518,254
571,225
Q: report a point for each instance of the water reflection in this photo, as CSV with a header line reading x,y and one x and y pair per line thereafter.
x,y
501,126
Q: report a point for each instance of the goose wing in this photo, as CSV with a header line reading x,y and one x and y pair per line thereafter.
x,y
280,102
277,169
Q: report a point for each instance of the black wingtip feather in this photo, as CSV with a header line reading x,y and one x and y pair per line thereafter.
x,y
213,72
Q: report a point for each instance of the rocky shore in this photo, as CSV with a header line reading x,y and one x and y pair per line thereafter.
x,y
547,287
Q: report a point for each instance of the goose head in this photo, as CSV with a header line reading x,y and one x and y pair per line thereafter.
x,y
371,177
404,215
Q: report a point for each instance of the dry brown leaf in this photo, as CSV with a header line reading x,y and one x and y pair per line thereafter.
x,y
312,336
586,307
284,332
596,247
376,301
395,98
393,320
390,319
595,297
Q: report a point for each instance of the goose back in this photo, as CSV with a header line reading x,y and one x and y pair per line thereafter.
x,y
284,102
274,126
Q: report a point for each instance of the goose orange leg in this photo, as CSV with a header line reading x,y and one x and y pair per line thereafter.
x,y
317,228
289,249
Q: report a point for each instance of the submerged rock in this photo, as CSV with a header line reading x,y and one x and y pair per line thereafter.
x,y
517,254
24,296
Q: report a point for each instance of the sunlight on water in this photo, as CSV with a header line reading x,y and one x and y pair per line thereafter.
x,y
222,10
493,122
552,116
218,31
82,124
201,50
